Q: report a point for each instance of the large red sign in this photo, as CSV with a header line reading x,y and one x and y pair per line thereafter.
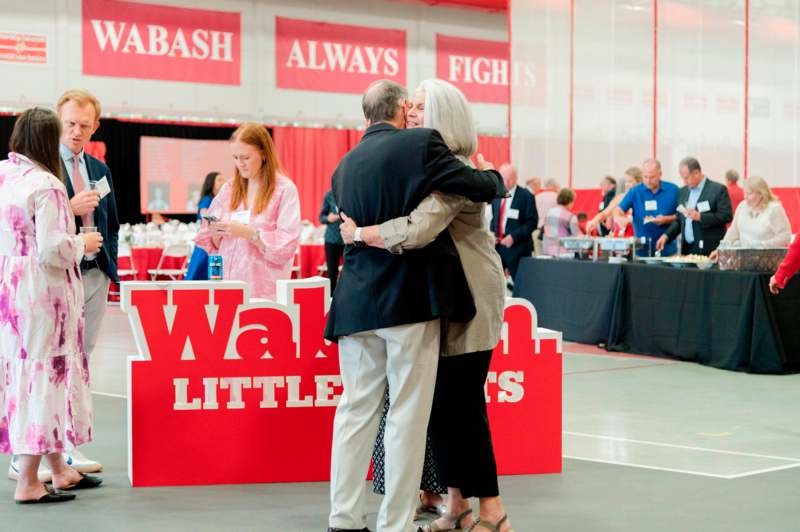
x,y
481,69
319,56
23,48
148,41
254,381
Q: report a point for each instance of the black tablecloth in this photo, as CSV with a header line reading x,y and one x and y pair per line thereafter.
x,y
722,319
574,297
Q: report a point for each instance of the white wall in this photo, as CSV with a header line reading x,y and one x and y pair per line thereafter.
x,y
256,98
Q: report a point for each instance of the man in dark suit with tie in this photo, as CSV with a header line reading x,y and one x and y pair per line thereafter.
x,y
386,309
514,219
704,210
79,112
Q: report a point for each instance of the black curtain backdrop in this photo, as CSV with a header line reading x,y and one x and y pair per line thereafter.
x,y
122,155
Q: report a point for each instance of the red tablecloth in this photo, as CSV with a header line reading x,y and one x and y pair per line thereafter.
x,y
143,259
312,256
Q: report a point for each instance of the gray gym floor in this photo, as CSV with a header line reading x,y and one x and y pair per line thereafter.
x,y
649,445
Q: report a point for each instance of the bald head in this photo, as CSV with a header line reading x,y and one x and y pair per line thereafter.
x,y
651,174
535,184
384,101
509,174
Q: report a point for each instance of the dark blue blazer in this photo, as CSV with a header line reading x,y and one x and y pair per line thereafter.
x,y
105,215
523,226
384,177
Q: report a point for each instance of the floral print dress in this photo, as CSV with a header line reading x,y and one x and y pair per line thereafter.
x,y
45,401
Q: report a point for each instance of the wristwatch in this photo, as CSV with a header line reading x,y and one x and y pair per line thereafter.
x,y
357,241
256,236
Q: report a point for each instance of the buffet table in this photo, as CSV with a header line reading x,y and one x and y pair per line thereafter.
x,y
718,318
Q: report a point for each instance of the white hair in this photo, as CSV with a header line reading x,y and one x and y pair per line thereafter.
x,y
551,183
448,112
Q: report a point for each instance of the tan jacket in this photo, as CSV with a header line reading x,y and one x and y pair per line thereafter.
x,y
466,222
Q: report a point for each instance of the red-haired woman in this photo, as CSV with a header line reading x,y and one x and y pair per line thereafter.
x,y
257,213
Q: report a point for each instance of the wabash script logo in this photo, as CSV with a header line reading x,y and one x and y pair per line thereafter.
x,y
336,58
126,39
258,374
482,70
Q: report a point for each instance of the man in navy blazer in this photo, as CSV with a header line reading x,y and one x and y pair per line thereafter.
x,y
514,219
707,209
387,308
79,112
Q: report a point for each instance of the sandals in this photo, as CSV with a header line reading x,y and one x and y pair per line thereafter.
x,y
493,527
49,497
433,527
86,482
423,509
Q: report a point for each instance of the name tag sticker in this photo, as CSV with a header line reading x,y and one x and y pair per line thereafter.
x,y
243,217
513,214
651,205
102,187
703,206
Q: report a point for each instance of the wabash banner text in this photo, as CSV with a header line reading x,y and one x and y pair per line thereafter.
x,y
319,56
483,71
218,374
148,41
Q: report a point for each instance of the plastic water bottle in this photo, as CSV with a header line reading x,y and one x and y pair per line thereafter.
x,y
215,267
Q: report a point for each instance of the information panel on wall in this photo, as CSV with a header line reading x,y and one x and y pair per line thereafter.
x,y
172,171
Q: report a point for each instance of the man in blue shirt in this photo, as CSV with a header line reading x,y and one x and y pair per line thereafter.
x,y
654,203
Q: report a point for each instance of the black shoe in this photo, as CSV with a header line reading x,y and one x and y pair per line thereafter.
x,y
49,497
331,529
85,483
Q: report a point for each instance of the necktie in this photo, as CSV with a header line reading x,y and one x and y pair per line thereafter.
x,y
688,232
501,219
87,220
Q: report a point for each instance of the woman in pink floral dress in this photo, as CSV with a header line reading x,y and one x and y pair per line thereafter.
x,y
45,402
258,213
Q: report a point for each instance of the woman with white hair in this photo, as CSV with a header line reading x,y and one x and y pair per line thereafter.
x,y
760,220
466,464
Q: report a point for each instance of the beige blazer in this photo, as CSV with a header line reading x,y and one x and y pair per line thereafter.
x,y
467,224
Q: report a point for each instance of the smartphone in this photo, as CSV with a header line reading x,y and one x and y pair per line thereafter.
x,y
210,218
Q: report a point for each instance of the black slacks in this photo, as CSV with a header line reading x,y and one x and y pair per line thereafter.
x,y
333,253
511,256
459,426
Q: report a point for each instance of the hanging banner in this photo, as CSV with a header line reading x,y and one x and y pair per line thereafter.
x,y
221,374
319,56
23,48
148,41
482,71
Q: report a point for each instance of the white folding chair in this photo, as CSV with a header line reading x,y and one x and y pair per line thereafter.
x,y
179,251
322,269
296,264
124,251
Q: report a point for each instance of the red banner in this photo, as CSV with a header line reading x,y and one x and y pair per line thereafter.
x,y
23,48
482,71
148,41
319,56
254,381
